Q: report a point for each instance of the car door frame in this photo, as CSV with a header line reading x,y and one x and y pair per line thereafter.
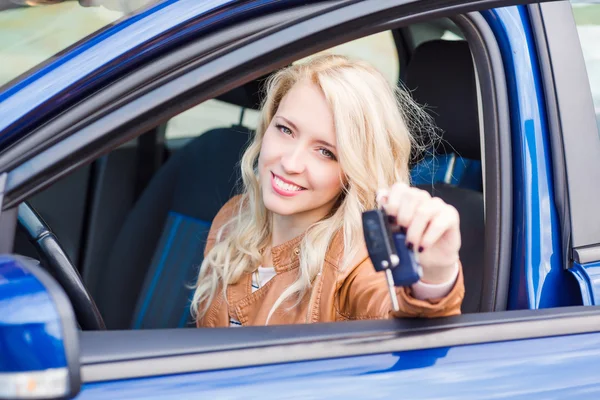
x,y
117,355
112,124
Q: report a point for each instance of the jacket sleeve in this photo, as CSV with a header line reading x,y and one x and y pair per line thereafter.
x,y
364,295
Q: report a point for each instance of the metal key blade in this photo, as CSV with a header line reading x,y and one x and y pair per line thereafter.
x,y
392,289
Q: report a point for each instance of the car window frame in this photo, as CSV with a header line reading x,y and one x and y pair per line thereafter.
x,y
90,131
62,152
105,138
115,355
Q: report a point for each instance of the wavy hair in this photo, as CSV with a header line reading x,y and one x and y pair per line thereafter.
x,y
372,120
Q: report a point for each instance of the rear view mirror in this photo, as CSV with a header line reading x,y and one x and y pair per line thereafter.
x,y
39,348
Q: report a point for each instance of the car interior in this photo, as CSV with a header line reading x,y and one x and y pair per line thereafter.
x,y
134,221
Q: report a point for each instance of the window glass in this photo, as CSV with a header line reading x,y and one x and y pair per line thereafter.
x,y
139,240
379,50
29,35
587,18
443,29
449,35
209,115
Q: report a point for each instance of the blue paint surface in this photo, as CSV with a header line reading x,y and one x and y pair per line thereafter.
x,y
31,336
528,369
537,276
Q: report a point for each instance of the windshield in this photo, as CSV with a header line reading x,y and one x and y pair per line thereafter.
x,y
32,31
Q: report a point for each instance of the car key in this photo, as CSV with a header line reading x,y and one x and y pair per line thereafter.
x,y
408,270
388,252
381,250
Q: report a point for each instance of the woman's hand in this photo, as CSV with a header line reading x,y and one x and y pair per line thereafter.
x,y
432,229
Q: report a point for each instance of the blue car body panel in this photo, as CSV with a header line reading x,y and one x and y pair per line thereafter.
x,y
526,368
537,278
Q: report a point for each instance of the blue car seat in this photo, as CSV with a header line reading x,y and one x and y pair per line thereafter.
x,y
441,77
156,255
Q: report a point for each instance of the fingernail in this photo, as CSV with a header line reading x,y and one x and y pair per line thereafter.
x,y
381,197
391,219
402,230
421,249
409,246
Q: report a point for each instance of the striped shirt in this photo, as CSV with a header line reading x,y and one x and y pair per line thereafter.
x,y
259,279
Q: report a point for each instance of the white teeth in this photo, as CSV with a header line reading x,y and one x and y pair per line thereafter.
x,y
286,186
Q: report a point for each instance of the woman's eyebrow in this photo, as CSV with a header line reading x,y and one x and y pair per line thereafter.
x,y
323,142
290,123
294,127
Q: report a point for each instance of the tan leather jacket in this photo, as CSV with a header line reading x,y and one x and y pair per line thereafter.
x,y
359,292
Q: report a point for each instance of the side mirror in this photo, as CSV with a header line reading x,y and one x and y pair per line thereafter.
x,y
39,346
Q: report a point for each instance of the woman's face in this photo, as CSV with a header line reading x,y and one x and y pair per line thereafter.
x,y
298,167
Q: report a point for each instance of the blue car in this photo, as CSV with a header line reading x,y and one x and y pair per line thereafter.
x,y
121,125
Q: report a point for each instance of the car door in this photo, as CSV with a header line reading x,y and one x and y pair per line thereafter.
x,y
472,356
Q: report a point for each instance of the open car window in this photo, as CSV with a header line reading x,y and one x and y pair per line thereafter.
x,y
138,239
207,139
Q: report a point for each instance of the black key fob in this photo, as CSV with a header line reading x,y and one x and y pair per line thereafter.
x,y
378,237
388,250
408,270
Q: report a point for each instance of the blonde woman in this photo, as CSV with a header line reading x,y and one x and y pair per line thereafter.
x,y
333,141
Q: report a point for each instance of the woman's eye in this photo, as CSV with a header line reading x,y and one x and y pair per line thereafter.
x,y
327,153
284,129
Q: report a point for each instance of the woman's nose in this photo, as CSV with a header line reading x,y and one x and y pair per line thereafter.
x,y
293,161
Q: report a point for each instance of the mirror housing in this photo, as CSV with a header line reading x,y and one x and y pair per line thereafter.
x,y
39,343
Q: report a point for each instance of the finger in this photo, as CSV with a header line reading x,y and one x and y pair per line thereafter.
x,y
446,220
395,198
382,197
423,215
412,200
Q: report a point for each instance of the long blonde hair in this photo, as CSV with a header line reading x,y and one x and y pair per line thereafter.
x,y
372,120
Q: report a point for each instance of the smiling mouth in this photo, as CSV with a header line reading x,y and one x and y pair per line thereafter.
x,y
280,184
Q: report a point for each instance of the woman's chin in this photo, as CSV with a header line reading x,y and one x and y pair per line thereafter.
x,y
278,205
